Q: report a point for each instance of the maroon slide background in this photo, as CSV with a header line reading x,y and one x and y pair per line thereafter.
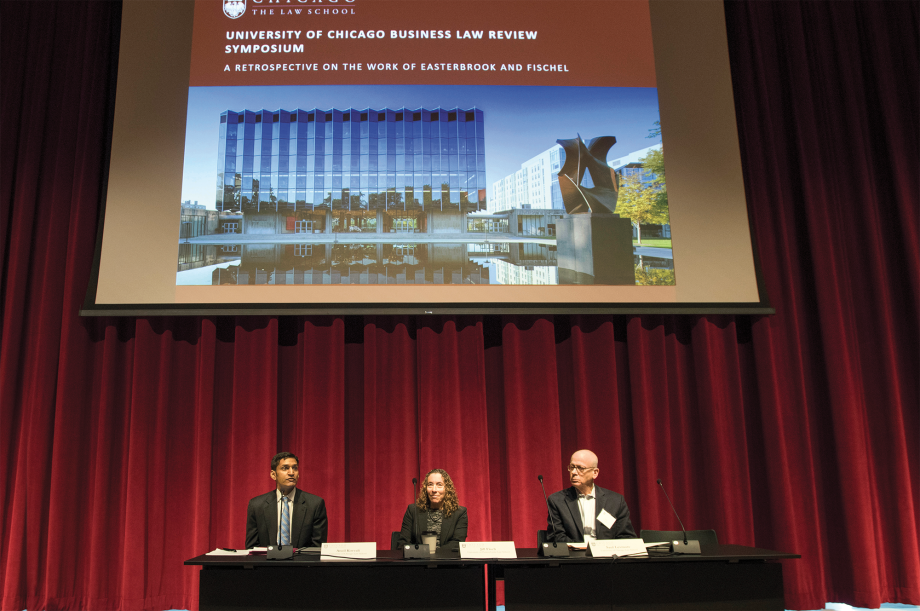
x,y
601,43
128,445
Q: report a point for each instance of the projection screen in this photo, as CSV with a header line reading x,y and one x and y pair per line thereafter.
x,y
406,156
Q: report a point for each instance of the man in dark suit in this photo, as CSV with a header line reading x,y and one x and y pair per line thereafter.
x,y
585,511
286,515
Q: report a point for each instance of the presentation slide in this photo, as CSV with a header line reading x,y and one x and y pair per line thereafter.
x,y
405,155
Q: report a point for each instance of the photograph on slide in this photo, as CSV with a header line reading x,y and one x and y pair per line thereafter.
x,y
424,184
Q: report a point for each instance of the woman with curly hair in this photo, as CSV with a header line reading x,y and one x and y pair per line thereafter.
x,y
436,510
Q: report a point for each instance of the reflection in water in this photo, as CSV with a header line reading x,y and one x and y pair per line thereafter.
x,y
506,263
509,273
326,263
195,256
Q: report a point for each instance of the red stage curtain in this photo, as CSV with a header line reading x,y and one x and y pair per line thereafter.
x,y
129,445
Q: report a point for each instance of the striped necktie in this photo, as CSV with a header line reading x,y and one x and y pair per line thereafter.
x,y
285,535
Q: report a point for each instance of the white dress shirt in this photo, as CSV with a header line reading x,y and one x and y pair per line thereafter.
x,y
290,495
587,507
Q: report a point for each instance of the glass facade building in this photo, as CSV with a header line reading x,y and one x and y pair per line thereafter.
x,y
303,164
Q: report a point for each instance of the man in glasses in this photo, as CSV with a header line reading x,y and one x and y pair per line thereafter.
x,y
584,511
286,515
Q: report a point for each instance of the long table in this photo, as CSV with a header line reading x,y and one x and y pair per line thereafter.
x,y
307,582
725,577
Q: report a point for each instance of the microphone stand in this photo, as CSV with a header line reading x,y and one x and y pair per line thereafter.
x,y
417,550
551,548
685,547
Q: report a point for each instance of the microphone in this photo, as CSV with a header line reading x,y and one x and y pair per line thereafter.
x,y
280,552
415,550
418,539
687,547
551,549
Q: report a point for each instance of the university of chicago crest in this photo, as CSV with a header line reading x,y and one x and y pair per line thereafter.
x,y
234,8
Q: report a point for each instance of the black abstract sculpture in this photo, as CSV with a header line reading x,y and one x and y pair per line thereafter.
x,y
602,197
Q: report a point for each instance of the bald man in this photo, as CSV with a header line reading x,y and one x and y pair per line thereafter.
x,y
584,511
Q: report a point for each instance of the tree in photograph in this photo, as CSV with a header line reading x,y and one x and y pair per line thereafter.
x,y
357,201
653,163
255,203
395,200
233,198
641,204
654,277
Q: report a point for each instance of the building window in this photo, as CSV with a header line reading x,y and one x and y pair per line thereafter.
x,y
310,176
303,227
488,226
303,250
408,224
231,227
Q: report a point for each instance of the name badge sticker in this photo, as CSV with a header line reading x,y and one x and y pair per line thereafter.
x,y
605,518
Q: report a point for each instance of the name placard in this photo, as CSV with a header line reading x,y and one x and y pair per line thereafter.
x,y
634,548
488,549
349,551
